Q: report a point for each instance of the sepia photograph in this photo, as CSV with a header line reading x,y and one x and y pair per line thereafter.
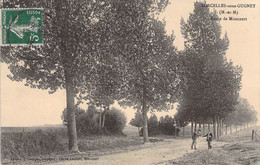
x,y
130,82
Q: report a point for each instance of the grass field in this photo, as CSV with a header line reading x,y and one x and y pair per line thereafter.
x,y
19,144
30,129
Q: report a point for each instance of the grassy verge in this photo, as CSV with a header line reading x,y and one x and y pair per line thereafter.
x,y
239,149
39,146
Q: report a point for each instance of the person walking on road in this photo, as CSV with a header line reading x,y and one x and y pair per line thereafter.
x,y
194,137
209,139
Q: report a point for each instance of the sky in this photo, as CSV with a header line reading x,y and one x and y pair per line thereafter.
x,y
23,106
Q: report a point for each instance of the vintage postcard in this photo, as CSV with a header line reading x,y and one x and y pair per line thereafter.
x,y
130,82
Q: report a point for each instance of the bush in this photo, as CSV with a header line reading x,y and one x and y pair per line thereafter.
x,y
115,121
78,112
87,124
86,121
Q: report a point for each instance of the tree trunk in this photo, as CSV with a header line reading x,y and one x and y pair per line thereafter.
x,y
218,127
70,93
226,129
100,120
221,128
183,129
104,118
72,132
191,130
203,129
145,128
231,129
175,130
208,126
195,129
145,118
253,133
214,126
104,115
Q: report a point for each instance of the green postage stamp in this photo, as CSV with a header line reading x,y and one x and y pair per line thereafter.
x,y
21,26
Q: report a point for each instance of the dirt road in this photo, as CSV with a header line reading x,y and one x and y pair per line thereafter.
x,y
153,153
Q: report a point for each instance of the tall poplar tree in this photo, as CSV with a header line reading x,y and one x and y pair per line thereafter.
x,y
67,58
150,79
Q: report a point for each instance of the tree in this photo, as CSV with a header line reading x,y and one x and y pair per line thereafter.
x,y
67,58
224,85
137,121
149,58
153,125
244,113
167,125
181,118
106,76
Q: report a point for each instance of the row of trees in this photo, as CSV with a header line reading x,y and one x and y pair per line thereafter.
x,y
211,84
243,115
165,125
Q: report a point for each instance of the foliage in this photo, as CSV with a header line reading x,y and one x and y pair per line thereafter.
x,y
243,113
149,57
44,67
166,125
115,121
78,112
210,84
86,121
182,117
137,121
153,126
87,124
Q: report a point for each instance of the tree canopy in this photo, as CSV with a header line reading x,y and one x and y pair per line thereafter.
x,y
210,84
